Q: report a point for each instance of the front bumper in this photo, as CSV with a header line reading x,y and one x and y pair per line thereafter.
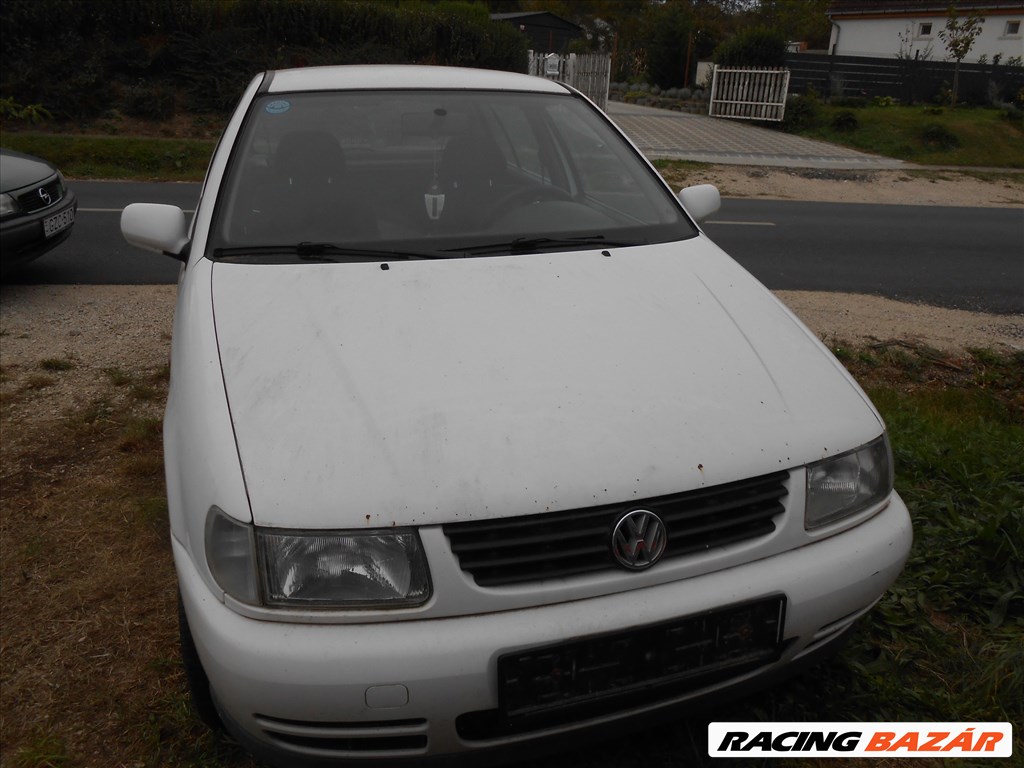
x,y
22,238
299,694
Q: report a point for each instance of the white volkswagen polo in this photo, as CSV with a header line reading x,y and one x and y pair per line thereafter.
x,y
474,440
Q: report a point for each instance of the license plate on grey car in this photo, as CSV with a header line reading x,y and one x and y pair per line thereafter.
x,y
62,220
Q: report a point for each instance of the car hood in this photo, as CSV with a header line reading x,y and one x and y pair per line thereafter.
x,y
18,170
434,391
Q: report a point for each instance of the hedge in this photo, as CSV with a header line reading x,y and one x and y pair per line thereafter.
x,y
82,58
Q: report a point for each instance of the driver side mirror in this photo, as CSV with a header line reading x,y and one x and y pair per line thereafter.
x,y
156,227
700,201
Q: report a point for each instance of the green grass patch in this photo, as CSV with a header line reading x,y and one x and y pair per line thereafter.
x,y
140,434
117,157
948,637
46,751
964,136
946,643
680,166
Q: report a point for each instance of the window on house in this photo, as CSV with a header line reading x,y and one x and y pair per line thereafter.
x,y
1012,28
924,29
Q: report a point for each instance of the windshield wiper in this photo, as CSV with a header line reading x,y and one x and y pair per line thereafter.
x,y
534,244
321,252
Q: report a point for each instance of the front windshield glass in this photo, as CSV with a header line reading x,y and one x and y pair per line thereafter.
x,y
434,174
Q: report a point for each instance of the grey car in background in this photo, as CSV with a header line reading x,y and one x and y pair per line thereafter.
x,y
37,209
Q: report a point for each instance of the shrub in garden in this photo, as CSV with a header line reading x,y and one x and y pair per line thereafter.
x,y
938,137
802,112
845,121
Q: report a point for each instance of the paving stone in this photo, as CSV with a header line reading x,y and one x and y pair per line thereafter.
x,y
662,133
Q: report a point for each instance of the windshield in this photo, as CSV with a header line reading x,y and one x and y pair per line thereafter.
x,y
352,175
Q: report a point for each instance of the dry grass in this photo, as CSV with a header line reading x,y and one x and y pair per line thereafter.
x,y
89,671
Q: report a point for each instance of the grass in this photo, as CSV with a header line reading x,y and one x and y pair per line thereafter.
x,y
89,661
947,641
45,750
117,157
932,136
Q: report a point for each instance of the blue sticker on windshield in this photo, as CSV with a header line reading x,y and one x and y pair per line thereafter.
x,y
278,107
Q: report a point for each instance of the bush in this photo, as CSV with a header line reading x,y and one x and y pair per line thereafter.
x,y
149,101
845,122
802,113
102,51
1014,114
753,47
938,137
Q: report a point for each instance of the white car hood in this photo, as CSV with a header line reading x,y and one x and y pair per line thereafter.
x,y
433,391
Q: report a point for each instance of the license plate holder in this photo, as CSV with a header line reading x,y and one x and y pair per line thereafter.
x,y
600,672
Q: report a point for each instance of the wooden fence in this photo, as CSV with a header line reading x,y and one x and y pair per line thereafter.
x,y
589,73
749,94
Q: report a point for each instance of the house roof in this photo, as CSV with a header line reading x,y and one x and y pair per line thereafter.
x,y
539,19
883,8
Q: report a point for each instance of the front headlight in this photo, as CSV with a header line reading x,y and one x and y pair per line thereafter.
x,y
7,205
848,483
343,569
383,568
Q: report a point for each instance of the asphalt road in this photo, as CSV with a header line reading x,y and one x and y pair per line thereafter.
x,y
964,258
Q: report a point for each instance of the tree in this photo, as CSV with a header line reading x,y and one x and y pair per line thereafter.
x,y
753,47
803,21
958,37
667,31
908,51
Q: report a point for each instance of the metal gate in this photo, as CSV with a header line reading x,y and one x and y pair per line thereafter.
x,y
749,94
589,73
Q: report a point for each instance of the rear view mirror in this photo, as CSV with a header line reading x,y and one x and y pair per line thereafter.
x,y
156,227
701,200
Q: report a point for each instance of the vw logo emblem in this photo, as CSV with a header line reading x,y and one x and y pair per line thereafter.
x,y
45,195
639,539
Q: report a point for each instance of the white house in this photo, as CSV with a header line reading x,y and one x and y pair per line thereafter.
x,y
885,28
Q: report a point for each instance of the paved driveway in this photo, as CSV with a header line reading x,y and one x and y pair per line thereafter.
x,y
661,133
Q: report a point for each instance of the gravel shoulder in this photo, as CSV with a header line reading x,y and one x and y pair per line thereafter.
x,y
910,186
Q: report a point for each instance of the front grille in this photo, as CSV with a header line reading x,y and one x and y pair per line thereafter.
x,y
41,197
341,739
560,544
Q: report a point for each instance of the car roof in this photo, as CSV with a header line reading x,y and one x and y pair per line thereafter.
x,y
389,76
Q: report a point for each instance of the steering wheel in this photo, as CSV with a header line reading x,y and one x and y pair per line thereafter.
x,y
525,195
